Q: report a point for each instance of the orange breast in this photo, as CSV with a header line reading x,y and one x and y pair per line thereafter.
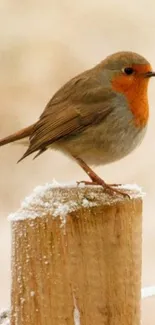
x,y
135,87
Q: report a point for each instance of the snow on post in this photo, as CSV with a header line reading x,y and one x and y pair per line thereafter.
x,y
76,257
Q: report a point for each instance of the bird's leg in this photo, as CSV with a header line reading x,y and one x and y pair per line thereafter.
x,y
96,180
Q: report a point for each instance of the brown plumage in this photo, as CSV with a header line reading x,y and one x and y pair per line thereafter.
x,y
67,113
99,116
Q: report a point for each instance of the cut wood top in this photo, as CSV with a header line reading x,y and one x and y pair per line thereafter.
x,y
60,199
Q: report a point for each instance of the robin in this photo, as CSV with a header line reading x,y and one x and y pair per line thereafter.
x,y
97,117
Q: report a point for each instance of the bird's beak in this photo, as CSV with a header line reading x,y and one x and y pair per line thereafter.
x,y
150,74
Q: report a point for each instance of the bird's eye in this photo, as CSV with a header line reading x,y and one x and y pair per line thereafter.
x,y
128,71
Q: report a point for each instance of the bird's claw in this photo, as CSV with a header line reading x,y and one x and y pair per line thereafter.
x,y
107,188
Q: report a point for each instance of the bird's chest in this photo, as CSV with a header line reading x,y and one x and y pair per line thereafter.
x,y
136,99
112,139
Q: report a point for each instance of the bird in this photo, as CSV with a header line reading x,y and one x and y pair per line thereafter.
x,y
96,118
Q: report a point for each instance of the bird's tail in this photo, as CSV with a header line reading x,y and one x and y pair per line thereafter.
x,y
26,132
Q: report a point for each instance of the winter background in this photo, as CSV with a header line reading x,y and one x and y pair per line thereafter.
x,y
42,45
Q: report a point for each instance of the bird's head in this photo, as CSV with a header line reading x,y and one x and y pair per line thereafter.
x,y
127,69
129,73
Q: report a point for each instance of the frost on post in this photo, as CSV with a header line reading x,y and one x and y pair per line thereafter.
x,y
76,256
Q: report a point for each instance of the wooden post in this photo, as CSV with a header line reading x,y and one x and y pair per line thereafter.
x,y
76,258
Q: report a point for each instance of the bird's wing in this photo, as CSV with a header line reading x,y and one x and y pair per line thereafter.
x,y
83,101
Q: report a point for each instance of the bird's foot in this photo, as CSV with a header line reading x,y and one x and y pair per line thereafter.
x,y
86,183
106,187
96,180
115,185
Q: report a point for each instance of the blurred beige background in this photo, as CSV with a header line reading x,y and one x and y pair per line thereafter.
x,y
42,44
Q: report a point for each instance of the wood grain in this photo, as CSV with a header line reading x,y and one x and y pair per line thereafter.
x,y
86,272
